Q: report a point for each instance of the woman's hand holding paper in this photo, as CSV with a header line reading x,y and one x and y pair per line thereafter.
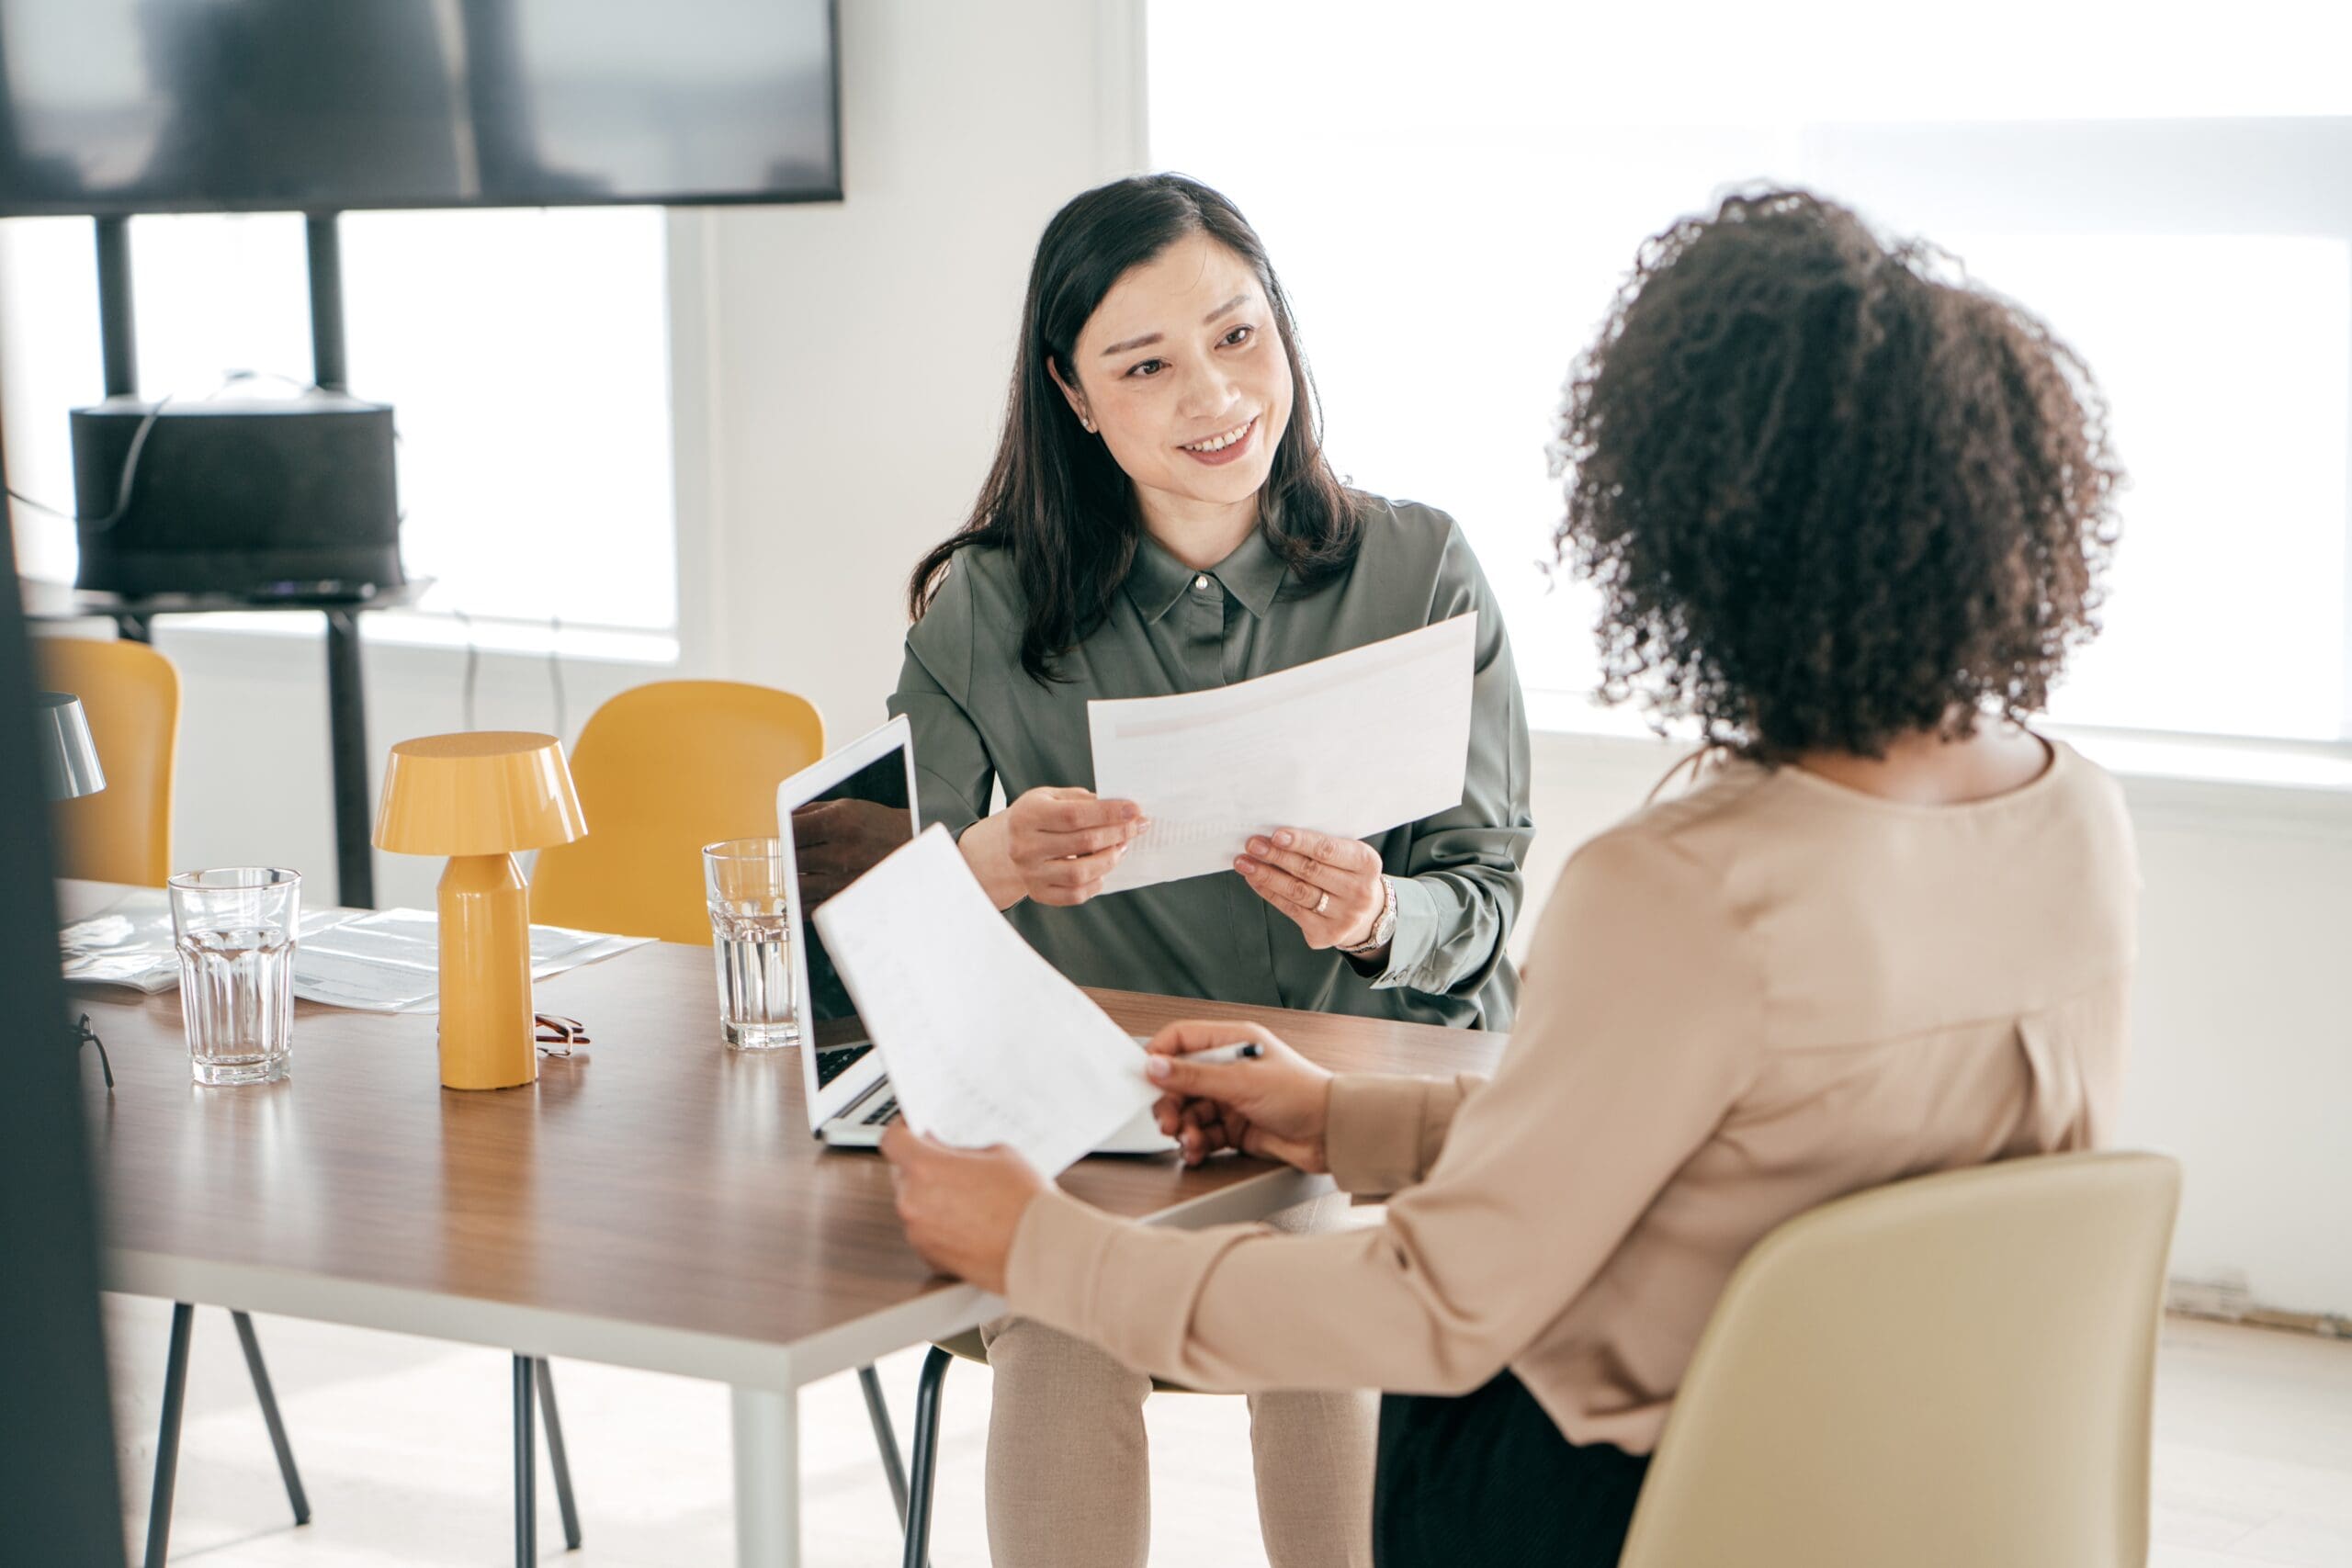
x,y
1330,886
961,1207
1051,846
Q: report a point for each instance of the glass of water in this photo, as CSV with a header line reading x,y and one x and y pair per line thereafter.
x,y
749,932
234,929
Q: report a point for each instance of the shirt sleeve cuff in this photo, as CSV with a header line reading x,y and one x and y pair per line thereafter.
x,y
1416,936
1377,1132
1058,1253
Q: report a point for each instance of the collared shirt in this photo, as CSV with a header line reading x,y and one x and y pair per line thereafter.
x,y
1742,1002
982,722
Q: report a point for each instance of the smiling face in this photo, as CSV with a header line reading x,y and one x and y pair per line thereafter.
x,y
1183,374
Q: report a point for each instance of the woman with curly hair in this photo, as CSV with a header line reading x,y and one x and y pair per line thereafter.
x,y
1848,516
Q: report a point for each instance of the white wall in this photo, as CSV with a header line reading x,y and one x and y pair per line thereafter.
x,y
839,374
857,357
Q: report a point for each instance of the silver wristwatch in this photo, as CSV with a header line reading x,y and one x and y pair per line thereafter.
x,y
1383,925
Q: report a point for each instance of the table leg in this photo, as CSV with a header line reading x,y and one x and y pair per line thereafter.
x,y
347,747
767,1479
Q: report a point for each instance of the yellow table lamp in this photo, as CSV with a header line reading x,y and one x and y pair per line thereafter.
x,y
478,798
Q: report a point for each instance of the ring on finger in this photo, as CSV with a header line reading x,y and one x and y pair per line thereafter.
x,y
1323,905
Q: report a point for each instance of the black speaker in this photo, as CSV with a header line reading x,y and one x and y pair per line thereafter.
x,y
291,498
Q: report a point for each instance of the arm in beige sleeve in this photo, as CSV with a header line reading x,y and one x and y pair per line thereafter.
x,y
1383,1131
1638,1035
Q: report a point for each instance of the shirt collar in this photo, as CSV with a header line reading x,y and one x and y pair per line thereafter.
x,y
1253,573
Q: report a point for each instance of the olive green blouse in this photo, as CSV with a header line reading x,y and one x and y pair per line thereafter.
x,y
980,722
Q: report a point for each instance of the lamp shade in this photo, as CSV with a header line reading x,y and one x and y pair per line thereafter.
x,y
485,793
69,757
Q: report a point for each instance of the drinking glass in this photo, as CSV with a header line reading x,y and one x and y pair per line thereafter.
x,y
749,931
234,929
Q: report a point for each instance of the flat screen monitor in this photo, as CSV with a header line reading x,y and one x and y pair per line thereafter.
x,y
119,106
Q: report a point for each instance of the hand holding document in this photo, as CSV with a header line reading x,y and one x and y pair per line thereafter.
x,y
986,1042
1350,745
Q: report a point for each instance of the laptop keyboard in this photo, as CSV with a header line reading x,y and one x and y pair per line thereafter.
x,y
883,1113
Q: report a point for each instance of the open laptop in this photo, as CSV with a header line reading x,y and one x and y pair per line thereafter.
x,y
841,817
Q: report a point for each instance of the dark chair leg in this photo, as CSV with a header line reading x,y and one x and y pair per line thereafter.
x,y
526,1473
556,1460
167,1439
886,1439
262,1390
926,1467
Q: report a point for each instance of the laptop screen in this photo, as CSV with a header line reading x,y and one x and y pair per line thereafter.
x,y
836,838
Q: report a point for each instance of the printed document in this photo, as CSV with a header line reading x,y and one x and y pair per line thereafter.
x,y
385,961
1350,745
986,1042
391,961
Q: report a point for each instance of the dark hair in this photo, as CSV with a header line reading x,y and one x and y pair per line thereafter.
x,y
1055,496
1829,498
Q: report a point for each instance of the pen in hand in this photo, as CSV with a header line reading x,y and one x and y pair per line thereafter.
x,y
1218,1055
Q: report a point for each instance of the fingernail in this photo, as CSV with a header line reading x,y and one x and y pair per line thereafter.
x,y
1282,838
1245,865
1155,1066
1259,846
1131,812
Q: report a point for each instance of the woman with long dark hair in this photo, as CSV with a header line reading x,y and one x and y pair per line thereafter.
x,y
1849,515
1161,518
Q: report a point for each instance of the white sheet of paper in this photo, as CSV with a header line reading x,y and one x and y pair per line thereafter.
x,y
1350,745
391,961
984,1040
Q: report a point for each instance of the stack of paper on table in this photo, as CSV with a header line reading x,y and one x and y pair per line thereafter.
x,y
986,1042
386,961
1350,745
391,961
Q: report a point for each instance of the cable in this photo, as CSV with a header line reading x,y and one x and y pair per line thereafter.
x,y
555,671
138,447
473,658
122,485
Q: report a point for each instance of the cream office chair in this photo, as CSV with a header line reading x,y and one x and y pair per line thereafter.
x,y
1952,1371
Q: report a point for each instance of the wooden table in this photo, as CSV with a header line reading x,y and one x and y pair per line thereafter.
x,y
656,1202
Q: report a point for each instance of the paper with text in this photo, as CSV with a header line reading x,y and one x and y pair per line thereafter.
x,y
1351,745
984,1040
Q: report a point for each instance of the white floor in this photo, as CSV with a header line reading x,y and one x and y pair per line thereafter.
x,y
403,1446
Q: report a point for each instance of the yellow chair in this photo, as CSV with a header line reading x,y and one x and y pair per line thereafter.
x,y
662,770
1947,1372
132,693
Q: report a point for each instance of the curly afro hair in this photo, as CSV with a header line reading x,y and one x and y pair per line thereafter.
x,y
1830,498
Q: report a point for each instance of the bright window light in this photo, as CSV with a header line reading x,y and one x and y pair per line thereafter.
x,y
1453,195
525,354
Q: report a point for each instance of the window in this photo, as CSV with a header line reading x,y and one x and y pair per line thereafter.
x,y
1454,194
525,354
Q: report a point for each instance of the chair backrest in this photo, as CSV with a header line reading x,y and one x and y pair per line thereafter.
x,y
662,770
131,694
1952,1371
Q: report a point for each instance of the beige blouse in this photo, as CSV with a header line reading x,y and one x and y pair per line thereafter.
x,y
1740,1003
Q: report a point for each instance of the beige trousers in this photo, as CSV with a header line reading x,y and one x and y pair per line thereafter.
x,y
1069,1478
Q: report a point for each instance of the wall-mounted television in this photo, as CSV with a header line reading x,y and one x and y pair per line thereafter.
x,y
120,107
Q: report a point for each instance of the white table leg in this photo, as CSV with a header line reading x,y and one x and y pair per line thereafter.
x,y
767,1479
